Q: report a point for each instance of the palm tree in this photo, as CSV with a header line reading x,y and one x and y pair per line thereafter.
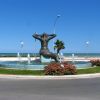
x,y
58,46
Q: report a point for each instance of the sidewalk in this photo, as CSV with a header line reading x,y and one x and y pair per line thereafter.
x,y
83,76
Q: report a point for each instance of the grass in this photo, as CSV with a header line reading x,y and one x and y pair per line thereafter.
x,y
41,72
89,70
21,72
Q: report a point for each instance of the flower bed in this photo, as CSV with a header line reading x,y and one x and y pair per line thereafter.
x,y
63,68
95,62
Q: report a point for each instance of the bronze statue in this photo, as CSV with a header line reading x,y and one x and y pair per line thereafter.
x,y
44,39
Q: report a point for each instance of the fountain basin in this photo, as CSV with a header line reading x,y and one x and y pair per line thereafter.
x,y
37,65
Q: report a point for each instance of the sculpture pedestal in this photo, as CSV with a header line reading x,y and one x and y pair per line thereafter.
x,y
45,60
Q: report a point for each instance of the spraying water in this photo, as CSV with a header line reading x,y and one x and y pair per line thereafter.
x,y
19,57
73,57
29,58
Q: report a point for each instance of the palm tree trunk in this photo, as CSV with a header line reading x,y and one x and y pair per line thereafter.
x,y
58,50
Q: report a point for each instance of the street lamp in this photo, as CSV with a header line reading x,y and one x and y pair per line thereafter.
x,y
87,46
21,45
58,16
54,30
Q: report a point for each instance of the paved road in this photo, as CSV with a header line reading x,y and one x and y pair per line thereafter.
x,y
77,89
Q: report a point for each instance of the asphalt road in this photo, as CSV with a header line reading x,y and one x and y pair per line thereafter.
x,y
77,89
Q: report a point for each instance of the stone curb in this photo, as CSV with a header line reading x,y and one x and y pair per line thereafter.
x,y
96,75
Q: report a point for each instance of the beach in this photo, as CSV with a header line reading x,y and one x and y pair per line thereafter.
x,y
34,58
16,58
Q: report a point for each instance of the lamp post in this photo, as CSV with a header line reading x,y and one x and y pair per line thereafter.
x,y
58,16
21,45
54,30
87,46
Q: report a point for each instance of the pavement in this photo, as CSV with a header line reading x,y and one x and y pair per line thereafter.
x,y
83,76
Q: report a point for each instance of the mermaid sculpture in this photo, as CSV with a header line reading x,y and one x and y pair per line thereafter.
x,y
44,39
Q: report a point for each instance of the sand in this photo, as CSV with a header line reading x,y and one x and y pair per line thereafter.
x,y
34,58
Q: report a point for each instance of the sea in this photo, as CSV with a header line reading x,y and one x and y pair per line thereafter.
x,y
65,54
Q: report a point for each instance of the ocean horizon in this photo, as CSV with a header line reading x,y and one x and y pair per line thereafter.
x,y
37,54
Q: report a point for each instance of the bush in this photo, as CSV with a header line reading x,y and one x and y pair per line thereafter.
x,y
63,68
95,62
69,68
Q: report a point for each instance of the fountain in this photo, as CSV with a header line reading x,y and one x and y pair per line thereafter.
x,y
45,56
73,58
29,58
19,57
60,55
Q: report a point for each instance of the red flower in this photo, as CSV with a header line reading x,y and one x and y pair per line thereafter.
x,y
63,68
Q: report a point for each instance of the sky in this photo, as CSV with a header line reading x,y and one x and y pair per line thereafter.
x,y
78,25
